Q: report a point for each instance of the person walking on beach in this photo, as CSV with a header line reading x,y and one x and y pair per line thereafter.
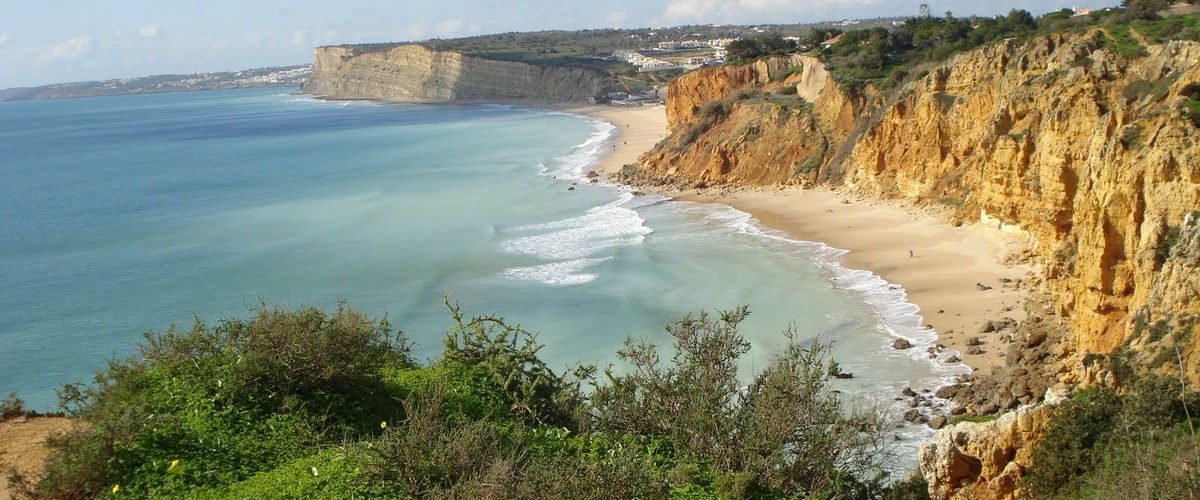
x,y
910,254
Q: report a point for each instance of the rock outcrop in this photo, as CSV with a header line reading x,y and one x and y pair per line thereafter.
x,y
414,73
984,461
1080,148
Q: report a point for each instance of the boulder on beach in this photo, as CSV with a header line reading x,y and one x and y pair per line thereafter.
x,y
937,422
901,344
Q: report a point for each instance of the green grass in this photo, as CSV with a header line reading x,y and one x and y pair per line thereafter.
x,y
977,420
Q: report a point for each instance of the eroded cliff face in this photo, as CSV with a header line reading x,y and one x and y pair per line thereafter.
x,y
413,73
737,125
1082,149
1079,149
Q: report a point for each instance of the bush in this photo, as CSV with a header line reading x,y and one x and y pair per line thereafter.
x,y
1102,443
782,434
12,407
787,90
214,406
1191,111
209,413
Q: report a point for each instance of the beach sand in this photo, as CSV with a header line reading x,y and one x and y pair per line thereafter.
x,y
639,128
941,276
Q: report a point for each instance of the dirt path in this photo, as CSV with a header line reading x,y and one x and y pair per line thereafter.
x,y
22,445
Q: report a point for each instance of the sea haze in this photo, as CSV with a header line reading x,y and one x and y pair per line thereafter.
x,y
125,214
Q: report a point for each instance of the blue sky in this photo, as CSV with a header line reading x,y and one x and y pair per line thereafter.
x,y
49,41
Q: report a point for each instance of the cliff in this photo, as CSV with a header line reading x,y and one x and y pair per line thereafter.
x,y
413,73
1080,149
987,460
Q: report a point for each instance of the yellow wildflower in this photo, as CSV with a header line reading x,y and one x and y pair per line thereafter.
x,y
115,488
383,425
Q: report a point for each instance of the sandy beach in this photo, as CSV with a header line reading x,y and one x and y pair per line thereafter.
x,y
942,274
639,128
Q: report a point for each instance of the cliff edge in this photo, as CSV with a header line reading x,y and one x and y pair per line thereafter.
x,y
413,73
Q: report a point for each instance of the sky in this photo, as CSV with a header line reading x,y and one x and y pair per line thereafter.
x,y
54,41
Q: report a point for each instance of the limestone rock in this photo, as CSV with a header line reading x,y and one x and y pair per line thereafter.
x,y
983,461
413,73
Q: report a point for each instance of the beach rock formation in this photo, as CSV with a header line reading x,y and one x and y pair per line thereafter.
x,y
983,461
413,73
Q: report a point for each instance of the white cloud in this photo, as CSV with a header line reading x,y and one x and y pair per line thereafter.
x,y
255,40
416,31
616,19
308,39
448,27
72,48
5,39
150,31
324,38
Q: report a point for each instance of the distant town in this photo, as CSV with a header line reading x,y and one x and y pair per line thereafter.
x,y
289,76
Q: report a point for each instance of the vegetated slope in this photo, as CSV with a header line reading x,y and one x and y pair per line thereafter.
x,y
312,404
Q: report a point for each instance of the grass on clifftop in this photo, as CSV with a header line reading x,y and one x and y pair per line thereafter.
x,y
313,404
885,57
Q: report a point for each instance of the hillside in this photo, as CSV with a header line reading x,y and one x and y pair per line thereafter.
x,y
1075,141
290,76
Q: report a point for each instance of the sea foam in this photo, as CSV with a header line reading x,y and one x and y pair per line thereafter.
x,y
574,244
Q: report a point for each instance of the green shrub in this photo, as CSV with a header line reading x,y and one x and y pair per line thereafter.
x,y
1139,444
1163,250
224,403
1066,450
977,420
1136,90
12,407
784,432
333,473
204,414
1131,136
1191,111
508,355
787,90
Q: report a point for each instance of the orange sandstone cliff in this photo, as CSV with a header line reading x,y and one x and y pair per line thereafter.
x,y
1082,149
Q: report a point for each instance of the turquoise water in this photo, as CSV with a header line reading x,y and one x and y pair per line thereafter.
x,y
120,215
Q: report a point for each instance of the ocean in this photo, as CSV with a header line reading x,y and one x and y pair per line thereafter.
x,y
126,214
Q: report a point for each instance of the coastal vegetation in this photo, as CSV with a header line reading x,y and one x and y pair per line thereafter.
x,y
1108,444
884,57
307,403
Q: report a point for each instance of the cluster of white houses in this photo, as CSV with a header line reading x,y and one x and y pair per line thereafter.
x,y
643,62
647,63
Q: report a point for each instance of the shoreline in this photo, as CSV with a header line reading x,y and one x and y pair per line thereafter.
x,y
942,276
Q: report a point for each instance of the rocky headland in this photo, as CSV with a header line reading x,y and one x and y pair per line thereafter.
x,y
414,73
